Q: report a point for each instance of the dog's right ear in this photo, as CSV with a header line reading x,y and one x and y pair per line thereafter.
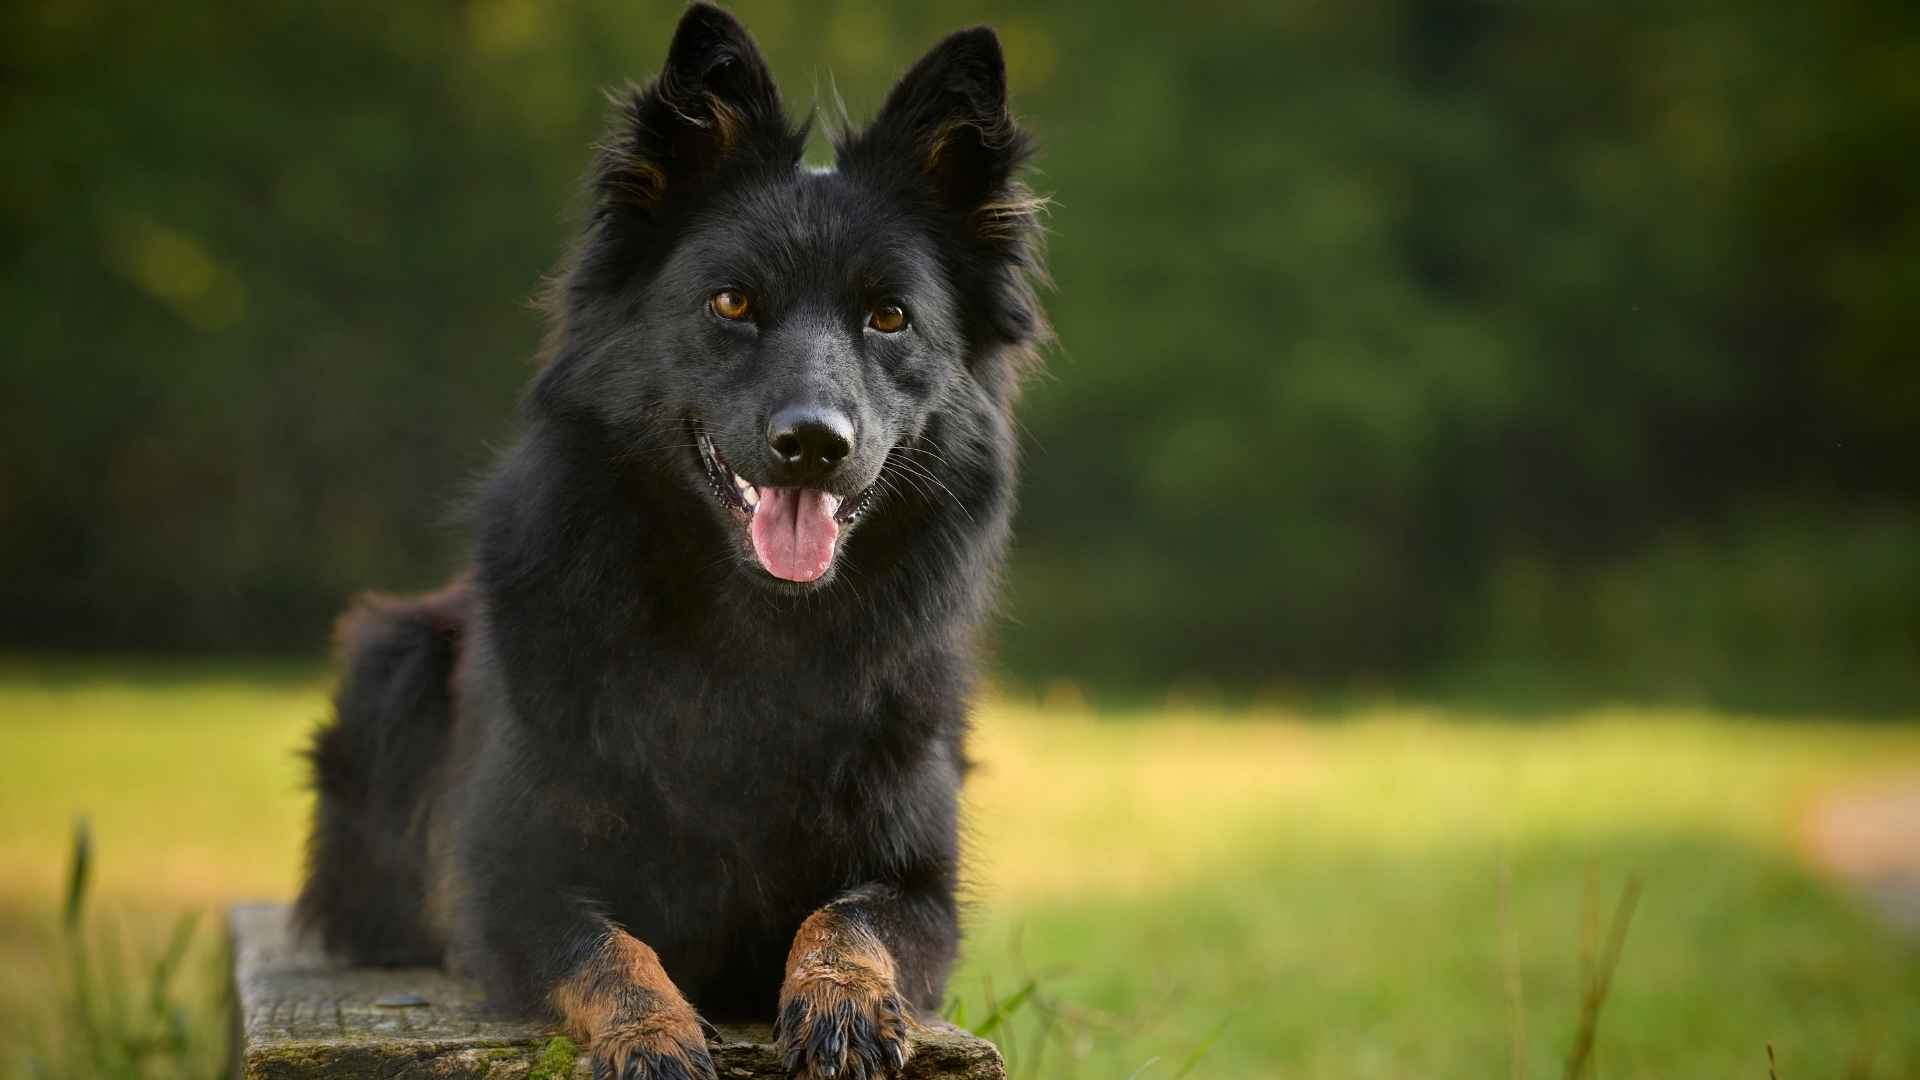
x,y
713,105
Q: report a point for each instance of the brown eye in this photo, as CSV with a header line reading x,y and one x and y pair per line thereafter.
x,y
888,318
729,304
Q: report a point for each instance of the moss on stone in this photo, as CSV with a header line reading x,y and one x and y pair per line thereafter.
x,y
555,1061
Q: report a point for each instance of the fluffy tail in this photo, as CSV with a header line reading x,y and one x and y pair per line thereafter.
x,y
375,771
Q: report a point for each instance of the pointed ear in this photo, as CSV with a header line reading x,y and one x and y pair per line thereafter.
x,y
948,116
713,104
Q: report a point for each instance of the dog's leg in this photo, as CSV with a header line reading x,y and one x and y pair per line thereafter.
x,y
843,1011
620,1002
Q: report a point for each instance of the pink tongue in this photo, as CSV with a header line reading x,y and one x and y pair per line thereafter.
x,y
794,532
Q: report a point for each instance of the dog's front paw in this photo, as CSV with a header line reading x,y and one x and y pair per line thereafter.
x,y
841,1019
663,1043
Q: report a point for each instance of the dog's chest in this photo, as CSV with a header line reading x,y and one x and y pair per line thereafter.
x,y
729,803
715,860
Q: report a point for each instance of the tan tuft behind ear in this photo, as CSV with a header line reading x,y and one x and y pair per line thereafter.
x,y
635,183
728,123
1015,214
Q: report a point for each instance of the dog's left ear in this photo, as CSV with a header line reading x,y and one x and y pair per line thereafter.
x,y
948,116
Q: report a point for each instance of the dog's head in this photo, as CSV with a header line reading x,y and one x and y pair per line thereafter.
x,y
801,348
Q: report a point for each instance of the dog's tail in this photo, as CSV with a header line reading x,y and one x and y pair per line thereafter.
x,y
375,775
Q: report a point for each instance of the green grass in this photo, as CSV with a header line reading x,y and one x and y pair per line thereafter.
x,y
1401,893
115,1018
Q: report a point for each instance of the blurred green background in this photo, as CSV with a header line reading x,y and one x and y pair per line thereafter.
x,y
1519,349
1419,359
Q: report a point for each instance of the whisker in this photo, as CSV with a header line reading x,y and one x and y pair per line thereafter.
x,y
934,454
926,474
905,477
892,488
924,447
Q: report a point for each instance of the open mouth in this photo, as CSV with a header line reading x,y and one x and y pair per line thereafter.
x,y
795,531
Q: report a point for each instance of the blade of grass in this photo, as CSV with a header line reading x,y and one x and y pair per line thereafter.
x,y
1510,964
1860,1062
1049,1019
169,962
1002,1011
992,1019
124,1040
80,1005
79,871
1193,1059
1600,983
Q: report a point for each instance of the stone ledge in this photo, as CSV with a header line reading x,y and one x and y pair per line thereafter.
x,y
299,1015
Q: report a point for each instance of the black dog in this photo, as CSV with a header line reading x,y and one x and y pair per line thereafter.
x,y
699,708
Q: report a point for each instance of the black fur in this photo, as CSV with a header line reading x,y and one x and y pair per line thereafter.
x,y
375,769
621,719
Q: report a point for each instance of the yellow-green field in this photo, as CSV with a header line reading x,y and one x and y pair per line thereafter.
x,y
1294,896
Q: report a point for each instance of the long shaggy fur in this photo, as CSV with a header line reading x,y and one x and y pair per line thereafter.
x,y
617,729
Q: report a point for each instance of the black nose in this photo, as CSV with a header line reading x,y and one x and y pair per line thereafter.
x,y
809,441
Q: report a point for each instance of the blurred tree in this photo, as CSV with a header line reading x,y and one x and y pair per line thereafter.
x,y
1403,340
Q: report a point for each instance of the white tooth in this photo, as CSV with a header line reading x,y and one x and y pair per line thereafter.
x,y
740,483
751,494
832,501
